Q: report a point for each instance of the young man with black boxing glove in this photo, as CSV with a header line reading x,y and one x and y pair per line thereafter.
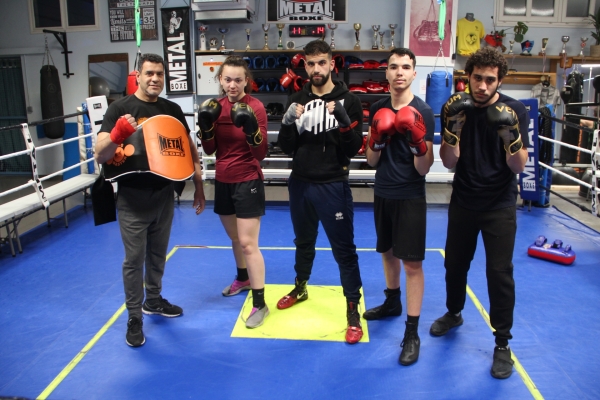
x,y
145,201
399,146
485,138
322,128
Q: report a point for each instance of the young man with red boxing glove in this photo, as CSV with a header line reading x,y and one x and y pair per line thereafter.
x,y
400,147
485,138
145,201
323,129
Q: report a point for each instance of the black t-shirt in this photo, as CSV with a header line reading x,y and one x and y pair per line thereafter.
x,y
396,176
141,111
483,180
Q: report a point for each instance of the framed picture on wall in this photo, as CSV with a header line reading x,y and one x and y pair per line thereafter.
x,y
421,33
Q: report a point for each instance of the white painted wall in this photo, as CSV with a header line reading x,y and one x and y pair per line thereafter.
x,y
16,39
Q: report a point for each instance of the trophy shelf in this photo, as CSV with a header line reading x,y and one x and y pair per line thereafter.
x,y
236,51
518,78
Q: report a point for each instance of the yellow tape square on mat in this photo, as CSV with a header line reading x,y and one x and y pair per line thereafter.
x,y
321,317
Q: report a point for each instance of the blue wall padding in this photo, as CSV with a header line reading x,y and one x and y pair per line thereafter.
x,y
71,150
437,92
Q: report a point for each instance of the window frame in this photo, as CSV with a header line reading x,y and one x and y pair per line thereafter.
x,y
64,19
558,20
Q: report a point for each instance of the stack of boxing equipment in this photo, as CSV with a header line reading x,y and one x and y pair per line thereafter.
x,y
338,60
243,117
506,122
453,116
370,64
352,62
366,107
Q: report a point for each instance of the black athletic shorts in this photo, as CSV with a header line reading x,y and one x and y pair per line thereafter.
x,y
401,225
244,199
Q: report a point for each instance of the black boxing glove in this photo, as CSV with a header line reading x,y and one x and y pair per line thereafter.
x,y
208,112
243,117
506,122
453,116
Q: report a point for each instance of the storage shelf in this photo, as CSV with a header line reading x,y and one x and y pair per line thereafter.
x,y
518,78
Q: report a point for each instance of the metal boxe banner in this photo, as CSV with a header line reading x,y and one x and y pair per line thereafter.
x,y
177,50
307,11
528,179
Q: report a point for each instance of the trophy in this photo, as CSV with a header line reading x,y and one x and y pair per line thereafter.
x,y
544,45
248,30
266,30
564,39
392,27
213,43
583,40
376,29
333,27
357,33
381,46
526,47
280,27
512,42
202,29
223,31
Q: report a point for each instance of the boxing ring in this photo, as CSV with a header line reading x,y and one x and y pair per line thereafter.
x,y
594,152
13,211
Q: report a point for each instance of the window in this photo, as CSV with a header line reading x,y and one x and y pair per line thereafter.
x,y
64,15
543,12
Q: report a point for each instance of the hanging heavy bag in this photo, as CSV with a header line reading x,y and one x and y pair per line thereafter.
x,y
51,98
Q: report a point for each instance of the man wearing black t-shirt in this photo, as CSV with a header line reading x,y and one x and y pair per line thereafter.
x,y
145,201
485,138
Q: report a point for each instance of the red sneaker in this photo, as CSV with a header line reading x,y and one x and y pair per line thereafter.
x,y
298,294
354,332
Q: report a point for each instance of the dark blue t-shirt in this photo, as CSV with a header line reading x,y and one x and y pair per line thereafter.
x,y
396,176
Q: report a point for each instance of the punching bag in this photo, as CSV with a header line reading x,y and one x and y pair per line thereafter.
x,y
439,89
132,84
51,97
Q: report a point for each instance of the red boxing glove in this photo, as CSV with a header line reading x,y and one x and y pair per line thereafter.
x,y
410,122
382,129
121,131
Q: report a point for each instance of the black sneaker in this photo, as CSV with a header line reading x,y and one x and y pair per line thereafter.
x,y
411,345
391,307
442,325
162,307
135,335
503,364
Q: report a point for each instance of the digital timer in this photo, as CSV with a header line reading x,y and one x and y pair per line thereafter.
x,y
307,30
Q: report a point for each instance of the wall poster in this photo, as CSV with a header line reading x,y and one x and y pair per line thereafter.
x,y
421,31
121,14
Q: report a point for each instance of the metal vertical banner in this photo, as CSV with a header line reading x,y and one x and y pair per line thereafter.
x,y
177,50
529,178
